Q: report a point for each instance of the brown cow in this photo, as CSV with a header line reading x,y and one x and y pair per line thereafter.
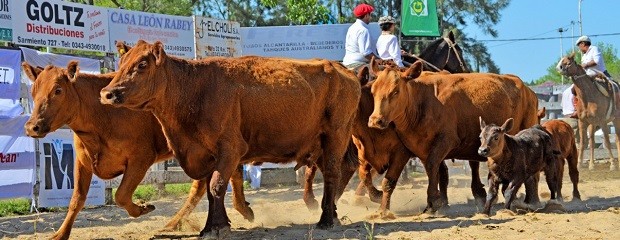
x,y
65,96
241,110
436,125
516,159
563,139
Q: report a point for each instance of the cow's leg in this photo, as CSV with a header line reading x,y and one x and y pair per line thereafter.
x,y
82,174
309,199
510,193
199,187
605,129
573,172
433,163
373,193
347,170
477,188
134,173
238,195
230,149
492,193
398,163
444,179
559,173
551,178
363,173
531,190
336,147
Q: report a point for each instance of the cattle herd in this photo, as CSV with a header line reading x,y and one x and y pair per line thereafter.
x,y
216,114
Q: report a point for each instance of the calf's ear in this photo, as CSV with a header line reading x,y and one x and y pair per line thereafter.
x,y
507,126
414,71
31,72
362,75
72,70
158,51
482,123
541,113
122,48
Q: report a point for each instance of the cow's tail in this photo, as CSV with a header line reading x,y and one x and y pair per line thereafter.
x,y
351,156
350,164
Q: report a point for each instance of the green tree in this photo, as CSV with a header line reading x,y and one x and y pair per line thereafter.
x,y
610,56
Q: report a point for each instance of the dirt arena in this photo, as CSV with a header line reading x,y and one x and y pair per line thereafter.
x,y
281,214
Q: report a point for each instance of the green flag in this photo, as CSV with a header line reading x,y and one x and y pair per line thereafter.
x,y
419,18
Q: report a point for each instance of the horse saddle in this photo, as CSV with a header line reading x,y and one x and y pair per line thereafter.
x,y
610,89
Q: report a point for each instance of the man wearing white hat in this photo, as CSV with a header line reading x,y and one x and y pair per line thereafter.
x,y
592,59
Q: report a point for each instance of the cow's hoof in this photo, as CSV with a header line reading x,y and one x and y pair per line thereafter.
x,y
325,225
222,233
60,236
384,215
591,166
312,204
613,166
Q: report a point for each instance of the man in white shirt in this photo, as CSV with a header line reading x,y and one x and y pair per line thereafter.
x,y
592,59
568,109
358,47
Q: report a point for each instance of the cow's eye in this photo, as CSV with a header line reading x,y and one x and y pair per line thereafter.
x,y
58,91
142,65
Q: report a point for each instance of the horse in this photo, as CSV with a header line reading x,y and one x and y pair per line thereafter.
x,y
593,108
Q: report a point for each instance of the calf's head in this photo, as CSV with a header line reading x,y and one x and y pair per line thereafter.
x,y
55,98
390,93
492,140
138,78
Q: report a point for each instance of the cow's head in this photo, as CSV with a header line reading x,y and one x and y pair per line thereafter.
x,y
390,93
492,138
139,77
55,98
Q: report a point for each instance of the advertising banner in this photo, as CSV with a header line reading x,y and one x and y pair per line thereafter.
x,y
17,159
61,24
10,72
215,37
56,172
6,23
302,42
419,18
177,33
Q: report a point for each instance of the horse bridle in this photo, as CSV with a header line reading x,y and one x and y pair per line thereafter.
x,y
452,47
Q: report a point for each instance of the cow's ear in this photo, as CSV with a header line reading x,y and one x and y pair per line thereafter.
x,y
507,126
482,123
541,113
363,75
571,56
414,71
31,72
72,70
374,67
158,51
122,48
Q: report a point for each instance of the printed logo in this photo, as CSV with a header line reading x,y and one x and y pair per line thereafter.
x,y
419,8
58,165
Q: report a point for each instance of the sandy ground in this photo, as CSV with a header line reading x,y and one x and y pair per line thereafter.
x,y
281,214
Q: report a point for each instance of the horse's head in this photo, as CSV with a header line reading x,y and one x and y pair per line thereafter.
x,y
568,67
445,54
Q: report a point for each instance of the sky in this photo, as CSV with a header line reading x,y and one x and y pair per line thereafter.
x,y
542,18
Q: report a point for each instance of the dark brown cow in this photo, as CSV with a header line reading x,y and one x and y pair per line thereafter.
x,y
436,125
241,110
563,139
516,159
65,96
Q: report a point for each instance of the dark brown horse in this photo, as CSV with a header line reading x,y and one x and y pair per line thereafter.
x,y
594,108
441,54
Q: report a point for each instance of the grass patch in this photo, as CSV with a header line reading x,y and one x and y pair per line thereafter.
x,y
18,206
149,192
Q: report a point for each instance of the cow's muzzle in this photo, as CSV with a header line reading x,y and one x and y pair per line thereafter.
x,y
111,96
36,129
377,122
483,151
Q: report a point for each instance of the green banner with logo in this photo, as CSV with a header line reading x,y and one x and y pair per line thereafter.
x,y
419,18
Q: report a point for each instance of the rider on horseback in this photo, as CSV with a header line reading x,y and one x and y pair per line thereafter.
x,y
358,46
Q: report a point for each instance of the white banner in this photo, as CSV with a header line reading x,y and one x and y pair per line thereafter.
x,y
60,24
215,37
10,72
177,33
56,172
6,23
17,159
302,42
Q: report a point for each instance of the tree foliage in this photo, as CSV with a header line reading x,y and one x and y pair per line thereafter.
x,y
610,56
